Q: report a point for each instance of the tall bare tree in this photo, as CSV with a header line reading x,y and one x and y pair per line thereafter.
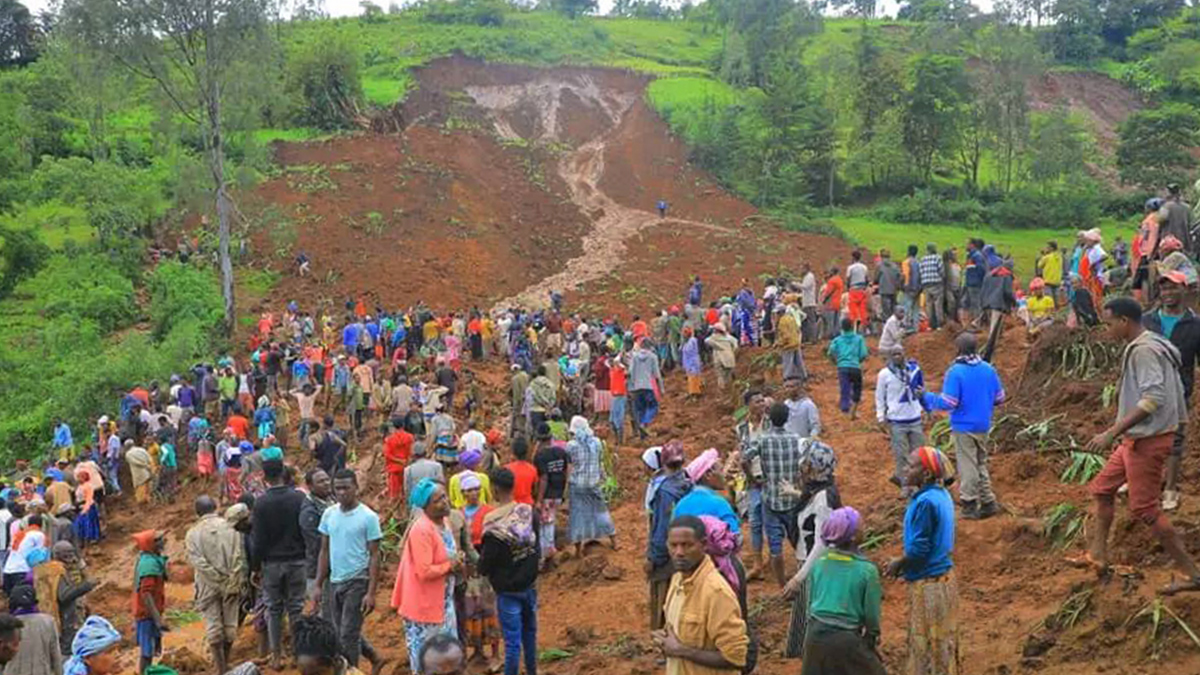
x,y
189,49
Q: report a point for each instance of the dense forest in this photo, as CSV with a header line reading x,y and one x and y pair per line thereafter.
x,y
121,121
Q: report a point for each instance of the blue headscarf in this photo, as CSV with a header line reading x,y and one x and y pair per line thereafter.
x,y
422,493
95,636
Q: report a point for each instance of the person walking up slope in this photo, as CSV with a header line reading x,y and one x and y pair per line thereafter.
x,y
971,391
848,351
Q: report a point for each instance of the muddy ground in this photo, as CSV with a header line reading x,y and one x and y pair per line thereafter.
x,y
508,181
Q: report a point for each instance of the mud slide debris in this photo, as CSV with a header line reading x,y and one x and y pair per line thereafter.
x,y
581,169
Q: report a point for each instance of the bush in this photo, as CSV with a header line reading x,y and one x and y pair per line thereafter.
x,y
88,287
324,76
926,206
1075,206
472,12
182,294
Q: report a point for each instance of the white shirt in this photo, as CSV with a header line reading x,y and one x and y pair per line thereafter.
x,y
808,290
893,401
174,413
856,275
472,440
5,519
891,337
16,563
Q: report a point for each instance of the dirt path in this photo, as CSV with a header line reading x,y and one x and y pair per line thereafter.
x,y
582,169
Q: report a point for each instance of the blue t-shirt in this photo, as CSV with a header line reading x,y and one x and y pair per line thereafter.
x,y
1168,322
703,501
970,392
349,533
929,533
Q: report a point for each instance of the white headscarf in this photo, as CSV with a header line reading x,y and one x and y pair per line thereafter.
x,y
579,426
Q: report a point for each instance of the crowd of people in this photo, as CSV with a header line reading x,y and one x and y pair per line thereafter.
x,y
477,484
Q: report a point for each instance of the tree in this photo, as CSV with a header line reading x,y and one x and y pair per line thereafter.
x,y
19,34
1123,18
796,146
1156,145
878,91
576,8
956,12
863,8
1007,59
933,109
1060,143
324,74
189,49
371,12
1074,37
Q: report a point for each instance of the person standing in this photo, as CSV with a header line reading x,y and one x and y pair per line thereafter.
x,y
831,301
781,453
1150,405
508,557
38,653
590,519
889,280
319,498
747,431
808,304
928,568
892,335
857,280
898,409
349,561
976,270
704,632
971,390
846,603
803,418
149,596
1179,324
553,467
278,551
217,555
397,451
645,385
60,583
422,467
423,594
848,351
933,284
912,289
673,484
724,354
787,341
1176,217
1051,264
692,367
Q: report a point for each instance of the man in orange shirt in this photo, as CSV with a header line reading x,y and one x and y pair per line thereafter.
x,y
638,328
831,300
525,475
397,450
238,422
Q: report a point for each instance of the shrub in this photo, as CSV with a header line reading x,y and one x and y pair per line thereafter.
x,y
473,12
88,287
926,206
180,294
324,75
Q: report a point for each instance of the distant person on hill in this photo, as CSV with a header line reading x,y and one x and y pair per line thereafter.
x,y
1176,217
889,280
933,278
911,267
662,208
831,301
976,268
971,390
1151,403
303,264
927,566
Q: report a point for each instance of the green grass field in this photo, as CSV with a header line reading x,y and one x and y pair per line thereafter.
x,y
1024,245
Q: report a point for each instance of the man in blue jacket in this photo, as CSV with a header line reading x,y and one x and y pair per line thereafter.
x,y
670,490
970,392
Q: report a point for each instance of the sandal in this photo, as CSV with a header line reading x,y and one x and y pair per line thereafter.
x,y
1184,586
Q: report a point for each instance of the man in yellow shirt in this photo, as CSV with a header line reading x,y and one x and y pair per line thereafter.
x,y
1039,305
1051,265
705,633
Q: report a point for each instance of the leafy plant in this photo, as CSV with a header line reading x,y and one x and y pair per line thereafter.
x,y
554,654
1156,611
1108,395
1070,611
1063,525
1082,467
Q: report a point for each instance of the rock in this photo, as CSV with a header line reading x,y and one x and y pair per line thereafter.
x,y
1037,645
580,637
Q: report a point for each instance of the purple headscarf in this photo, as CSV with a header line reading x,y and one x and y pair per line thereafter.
x,y
841,526
721,545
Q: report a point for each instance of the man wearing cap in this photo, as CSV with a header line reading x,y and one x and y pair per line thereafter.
x,y
1179,324
215,552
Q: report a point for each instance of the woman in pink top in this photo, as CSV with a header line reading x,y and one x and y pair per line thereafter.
x,y
424,591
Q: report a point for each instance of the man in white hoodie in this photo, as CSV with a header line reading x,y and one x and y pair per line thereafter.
x,y
898,409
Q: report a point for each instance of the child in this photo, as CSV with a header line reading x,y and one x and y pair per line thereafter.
x,y
1039,307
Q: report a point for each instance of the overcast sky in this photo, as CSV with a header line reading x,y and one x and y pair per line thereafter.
x,y
350,7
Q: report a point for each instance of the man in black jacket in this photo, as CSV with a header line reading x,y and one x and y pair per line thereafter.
x,y
509,559
1174,321
279,553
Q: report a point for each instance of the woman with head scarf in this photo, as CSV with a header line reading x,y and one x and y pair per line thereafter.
x,y
423,594
844,613
589,517
705,498
149,595
690,356
264,418
819,498
39,652
92,650
927,566
470,461
479,603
